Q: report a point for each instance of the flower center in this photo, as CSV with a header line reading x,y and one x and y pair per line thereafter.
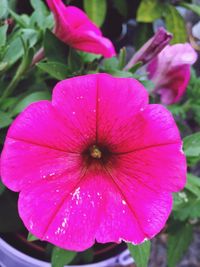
x,y
95,152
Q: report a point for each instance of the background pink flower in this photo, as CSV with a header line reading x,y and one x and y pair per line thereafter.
x,y
170,71
73,27
151,48
96,163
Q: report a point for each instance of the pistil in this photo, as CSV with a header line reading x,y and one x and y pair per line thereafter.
x,y
95,152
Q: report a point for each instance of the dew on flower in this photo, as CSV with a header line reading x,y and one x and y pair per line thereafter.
x,y
60,231
64,223
31,224
124,202
94,156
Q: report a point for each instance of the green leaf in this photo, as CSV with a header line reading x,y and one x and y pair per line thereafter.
x,y
192,7
122,58
111,63
31,237
136,67
61,257
14,52
25,64
88,57
188,211
5,119
3,31
30,36
179,199
96,10
120,73
149,10
57,70
178,243
191,145
175,24
40,16
3,66
21,70
55,50
2,188
140,253
27,100
22,20
39,5
3,8
75,62
193,184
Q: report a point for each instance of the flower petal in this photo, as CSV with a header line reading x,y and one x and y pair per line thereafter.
x,y
75,100
170,71
93,43
24,163
119,100
56,214
161,168
176,86
153,126
151,208
75,28
43,125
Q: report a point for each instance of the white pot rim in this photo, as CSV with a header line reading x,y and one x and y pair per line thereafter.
x,y
122,259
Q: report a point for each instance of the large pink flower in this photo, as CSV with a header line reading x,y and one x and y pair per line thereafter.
x,y
170,71
75,28
96,163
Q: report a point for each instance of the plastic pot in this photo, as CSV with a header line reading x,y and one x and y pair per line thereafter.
x,y
11,257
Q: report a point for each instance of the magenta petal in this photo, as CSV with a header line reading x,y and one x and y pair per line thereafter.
x,y
38,163
170,71
56,214
75,28
39,123
151,208
151,48
75,100
96,163
117,108
158,167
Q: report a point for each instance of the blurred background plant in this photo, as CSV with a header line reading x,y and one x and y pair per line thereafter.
x,y
26,27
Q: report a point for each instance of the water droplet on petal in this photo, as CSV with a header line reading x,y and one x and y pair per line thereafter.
x,y
123,202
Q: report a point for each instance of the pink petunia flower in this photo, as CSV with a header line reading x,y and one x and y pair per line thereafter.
x,y
74,27
170,71
96,163
151,48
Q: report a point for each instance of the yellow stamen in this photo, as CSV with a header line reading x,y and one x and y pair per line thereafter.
x,y
95,152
